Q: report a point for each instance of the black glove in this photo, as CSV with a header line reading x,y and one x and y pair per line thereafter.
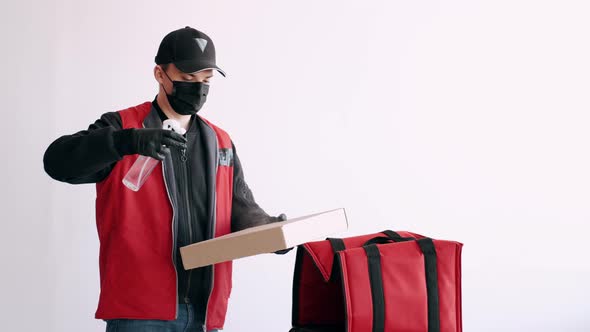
x,y
147,141
282,217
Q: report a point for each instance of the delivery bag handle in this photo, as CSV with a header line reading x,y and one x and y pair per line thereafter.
x,y
391,237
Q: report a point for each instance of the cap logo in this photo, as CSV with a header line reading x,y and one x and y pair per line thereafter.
x,y
202,43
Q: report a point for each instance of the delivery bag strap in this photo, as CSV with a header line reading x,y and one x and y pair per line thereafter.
x,y
375,276
337,244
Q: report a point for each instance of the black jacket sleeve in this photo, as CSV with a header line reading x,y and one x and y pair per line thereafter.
x,y
87,156
245,211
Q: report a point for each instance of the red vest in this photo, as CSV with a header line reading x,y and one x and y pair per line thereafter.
x,y
137,275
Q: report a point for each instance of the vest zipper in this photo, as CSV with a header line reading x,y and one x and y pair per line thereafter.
x,y
188,211
173,238
173,235
212,231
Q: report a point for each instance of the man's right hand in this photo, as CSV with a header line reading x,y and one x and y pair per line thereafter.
x,y
147,141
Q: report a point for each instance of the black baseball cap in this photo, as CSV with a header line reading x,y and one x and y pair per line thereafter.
x,y
190,50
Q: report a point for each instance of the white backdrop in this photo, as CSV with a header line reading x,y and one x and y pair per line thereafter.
x,y
464,120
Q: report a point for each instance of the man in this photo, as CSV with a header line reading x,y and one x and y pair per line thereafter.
x,y
196,193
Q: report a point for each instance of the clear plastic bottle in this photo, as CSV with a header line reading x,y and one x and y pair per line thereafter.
x,y
139,172
144,165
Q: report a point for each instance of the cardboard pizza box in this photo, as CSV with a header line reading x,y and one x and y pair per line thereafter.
x,y
264,239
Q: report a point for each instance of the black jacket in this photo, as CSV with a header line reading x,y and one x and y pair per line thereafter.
x,y
88,156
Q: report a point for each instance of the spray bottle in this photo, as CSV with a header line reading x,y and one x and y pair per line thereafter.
x,y
144,165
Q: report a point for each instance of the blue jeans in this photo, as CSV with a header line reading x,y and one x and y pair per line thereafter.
x,y
184,323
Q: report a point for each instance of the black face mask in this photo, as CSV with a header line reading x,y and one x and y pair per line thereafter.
x,y
187,98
